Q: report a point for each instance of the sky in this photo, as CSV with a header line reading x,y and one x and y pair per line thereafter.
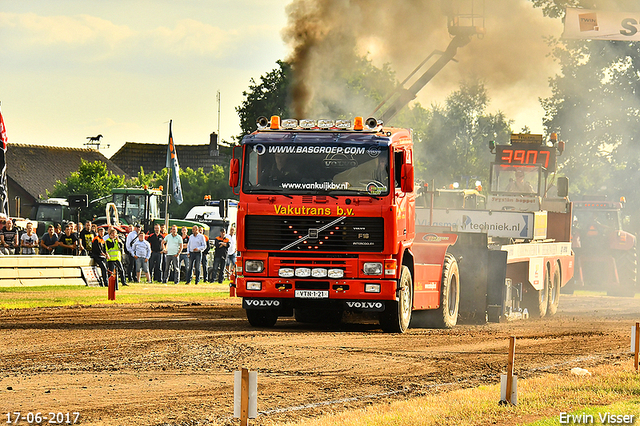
x,y
70,69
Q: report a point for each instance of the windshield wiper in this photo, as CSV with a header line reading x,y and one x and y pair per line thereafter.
x,y
274,191
326,192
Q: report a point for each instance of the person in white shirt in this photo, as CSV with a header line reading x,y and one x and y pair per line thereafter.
x,y
231,254
195,247
141,251
29,240
173,246
132,237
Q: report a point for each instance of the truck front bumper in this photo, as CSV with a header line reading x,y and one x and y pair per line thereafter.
x,y
347,294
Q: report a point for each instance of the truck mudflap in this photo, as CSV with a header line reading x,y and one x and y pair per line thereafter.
x,y
261,303
477,276
285,305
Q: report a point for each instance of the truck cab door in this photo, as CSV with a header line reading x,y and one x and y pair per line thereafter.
x,y
404,193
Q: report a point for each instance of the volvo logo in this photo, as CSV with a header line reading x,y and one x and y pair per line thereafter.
x,y
366,305
261,303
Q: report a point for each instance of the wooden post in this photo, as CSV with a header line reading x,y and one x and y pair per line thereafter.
x,y
637,346
244,398
512,356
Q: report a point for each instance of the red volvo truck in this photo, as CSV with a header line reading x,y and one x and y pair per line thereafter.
x,y
327,225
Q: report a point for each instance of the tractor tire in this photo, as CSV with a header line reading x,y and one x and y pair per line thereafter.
x,y
536,300
446,316
265,318
554,292
397,315
627,264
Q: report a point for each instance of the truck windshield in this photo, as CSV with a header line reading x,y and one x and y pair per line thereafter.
x,y
515,179
316,168
596,220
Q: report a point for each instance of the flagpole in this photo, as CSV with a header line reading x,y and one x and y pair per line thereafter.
x,y
166,204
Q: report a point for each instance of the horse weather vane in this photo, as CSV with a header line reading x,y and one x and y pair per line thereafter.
x,y
94,142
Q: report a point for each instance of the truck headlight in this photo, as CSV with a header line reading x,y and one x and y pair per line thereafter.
x,y
285,272
255,266
318,272
371,288
372,268
303,272
254,285
335,273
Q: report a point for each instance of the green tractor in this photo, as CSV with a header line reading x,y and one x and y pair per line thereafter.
x,y
129,206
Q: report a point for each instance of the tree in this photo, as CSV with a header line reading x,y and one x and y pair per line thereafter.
x,y
357,87
195,185
595,107
92,179
267,98
452,140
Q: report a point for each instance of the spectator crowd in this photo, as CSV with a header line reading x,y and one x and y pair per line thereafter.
x,y
161,256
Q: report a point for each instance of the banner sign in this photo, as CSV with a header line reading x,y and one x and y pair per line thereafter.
x,y
495,224
592,24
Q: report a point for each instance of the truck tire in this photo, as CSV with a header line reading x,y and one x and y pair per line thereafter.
x,y
446,316
397,316
262,317
536,300
554,292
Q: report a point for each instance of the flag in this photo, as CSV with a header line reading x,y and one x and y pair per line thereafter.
x,y
4,196
174,168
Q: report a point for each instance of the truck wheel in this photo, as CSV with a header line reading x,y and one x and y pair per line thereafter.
x,y
554,292
262,317
446,316
536,300
397,316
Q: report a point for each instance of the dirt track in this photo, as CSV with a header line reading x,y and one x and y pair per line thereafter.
x,y
173,364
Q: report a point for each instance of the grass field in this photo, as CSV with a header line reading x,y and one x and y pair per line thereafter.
x,y
49,296
611,390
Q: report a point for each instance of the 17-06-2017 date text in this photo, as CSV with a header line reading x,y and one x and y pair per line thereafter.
x,y
54,418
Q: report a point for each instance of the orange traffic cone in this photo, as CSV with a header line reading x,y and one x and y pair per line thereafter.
x,y
112,286
232,285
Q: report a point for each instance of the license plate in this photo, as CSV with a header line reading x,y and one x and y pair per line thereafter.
x,y
312,294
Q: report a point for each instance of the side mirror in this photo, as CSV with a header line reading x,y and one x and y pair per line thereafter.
x,y
406,178
563,186
234,172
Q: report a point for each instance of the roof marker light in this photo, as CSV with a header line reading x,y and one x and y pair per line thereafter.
x,y
308,124
343,124
289,123
358,123
275,122
326,124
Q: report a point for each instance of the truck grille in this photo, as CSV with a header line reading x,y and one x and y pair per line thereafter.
x,y
350,234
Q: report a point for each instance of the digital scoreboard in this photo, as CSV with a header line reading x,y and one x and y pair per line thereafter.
x,y
527,150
